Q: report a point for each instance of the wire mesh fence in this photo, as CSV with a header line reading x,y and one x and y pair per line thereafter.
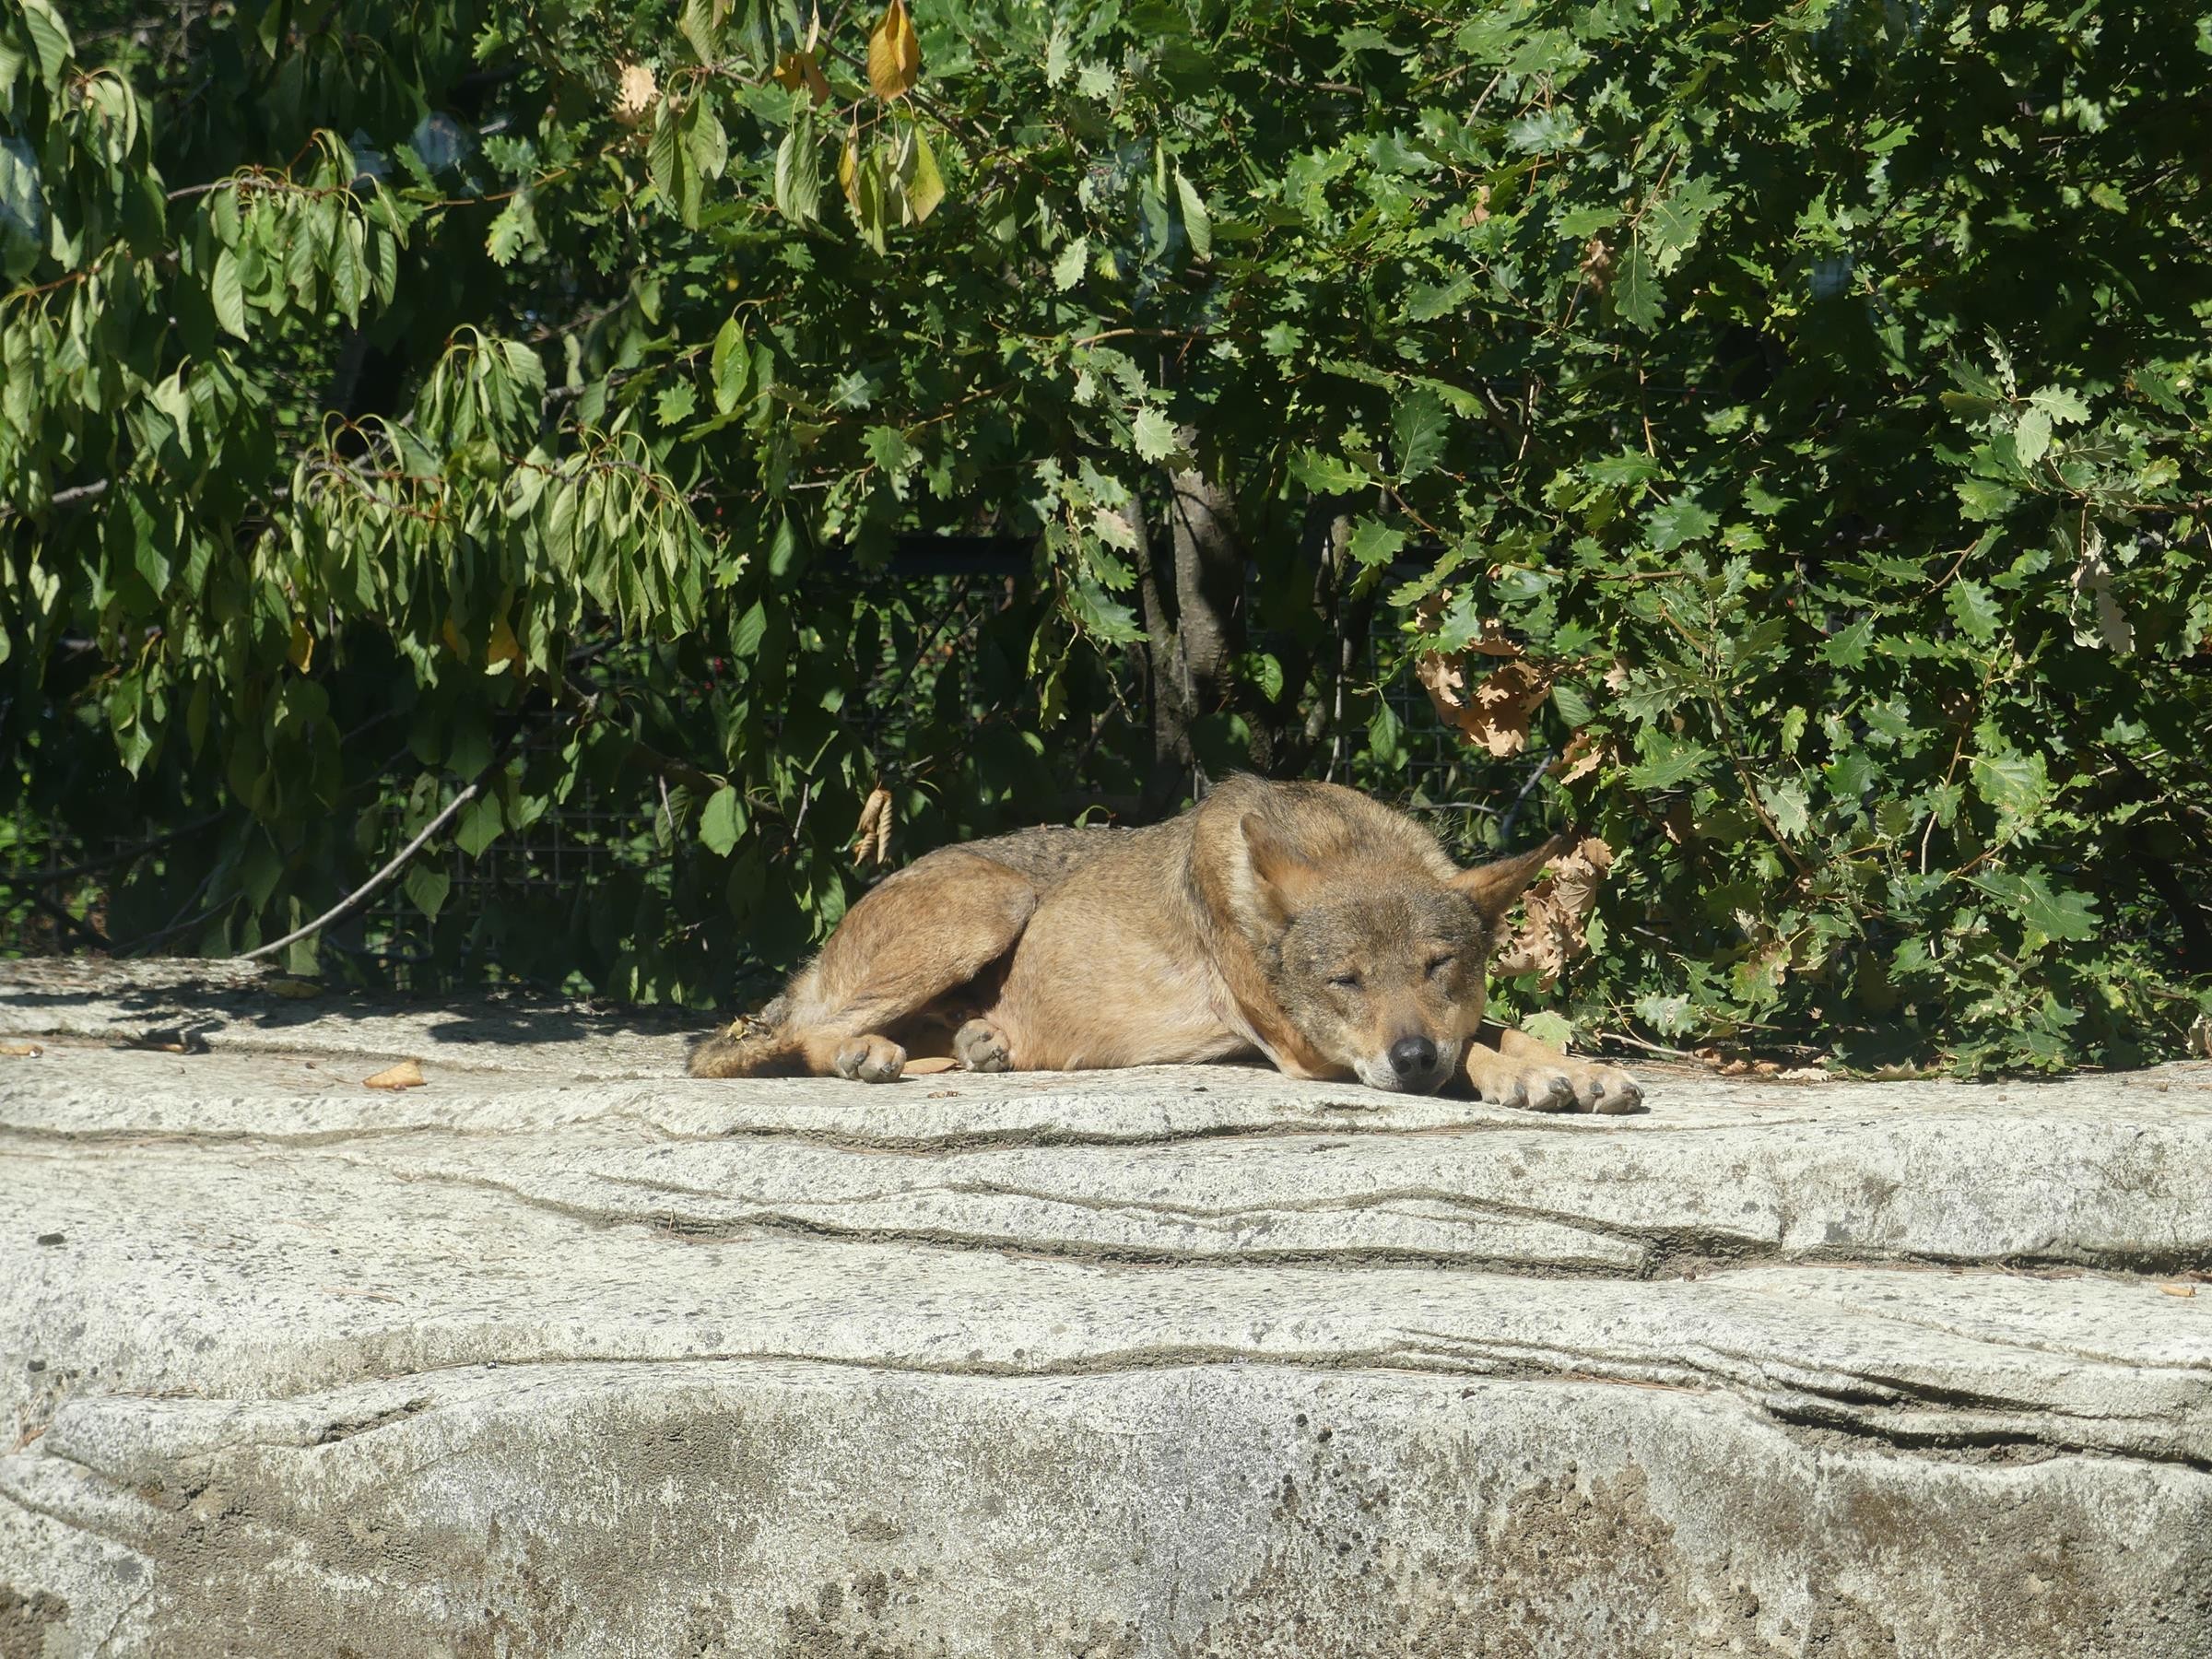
x,y
1394,745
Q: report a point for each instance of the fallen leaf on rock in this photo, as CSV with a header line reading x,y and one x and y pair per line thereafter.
x,y
405,1074
2177,1289
929,1065
297,989
170,1041
21,1050
1806,1074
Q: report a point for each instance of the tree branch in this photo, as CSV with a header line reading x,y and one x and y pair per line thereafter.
x,y
375,882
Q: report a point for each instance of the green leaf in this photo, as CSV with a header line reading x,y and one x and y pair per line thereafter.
x,y
674,404
889,449
428,885
2053,915
663,150
1155,434
1374,544
2063,408
1326,474
1673,222
1197,223
701,30
481,824
924,184
1417,424
1068,270
1547,1027
1673,524
1674,760
1544,133
1847,647
1981,500
722,821
2018,785
228,295
2031,437
798,180
49,38
729,365
22,200
1580,224
1789,806
1636,294
1972,609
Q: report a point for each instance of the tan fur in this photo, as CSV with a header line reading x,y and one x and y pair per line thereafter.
x,y
1301,922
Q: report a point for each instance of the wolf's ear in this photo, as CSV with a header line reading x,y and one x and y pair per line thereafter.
x,y
1280,878
1495,885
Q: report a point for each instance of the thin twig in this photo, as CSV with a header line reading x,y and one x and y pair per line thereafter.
x,y
375,882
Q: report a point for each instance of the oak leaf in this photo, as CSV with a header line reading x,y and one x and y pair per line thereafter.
x,y
1555,914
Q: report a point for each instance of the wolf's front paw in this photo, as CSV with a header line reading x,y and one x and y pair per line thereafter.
x,y
871,1059
980,1046
1606,1088
1543,1081
1527,1086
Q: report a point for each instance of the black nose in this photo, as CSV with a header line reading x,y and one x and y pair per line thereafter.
x,y
1412,1056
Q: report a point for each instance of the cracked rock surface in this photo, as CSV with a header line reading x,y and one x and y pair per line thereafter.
x,y
566,1352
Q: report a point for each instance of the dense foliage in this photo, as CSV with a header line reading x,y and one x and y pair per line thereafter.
x,y
1781,430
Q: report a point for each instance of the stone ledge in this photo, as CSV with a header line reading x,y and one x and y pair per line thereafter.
x,y
566,1351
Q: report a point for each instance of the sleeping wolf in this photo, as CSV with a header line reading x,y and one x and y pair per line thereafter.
x,y
1301,922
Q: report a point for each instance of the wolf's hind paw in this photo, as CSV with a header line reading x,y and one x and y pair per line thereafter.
x,y
979,1047
871,1059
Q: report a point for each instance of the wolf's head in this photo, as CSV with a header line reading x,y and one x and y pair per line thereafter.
x,y
1379,961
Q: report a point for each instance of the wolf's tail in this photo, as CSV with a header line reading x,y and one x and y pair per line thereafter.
x,y
749,1046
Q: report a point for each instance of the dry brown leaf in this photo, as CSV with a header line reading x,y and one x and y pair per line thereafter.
x,y
1555,914
799,69
872,834
2177,1289
298,989
21,1050
1495,715
407,1074
894,54
634,94
2093,576
929,1065
1480,210
1582,756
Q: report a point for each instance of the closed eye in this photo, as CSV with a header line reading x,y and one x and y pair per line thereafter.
x,y
1345,981
1438,964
